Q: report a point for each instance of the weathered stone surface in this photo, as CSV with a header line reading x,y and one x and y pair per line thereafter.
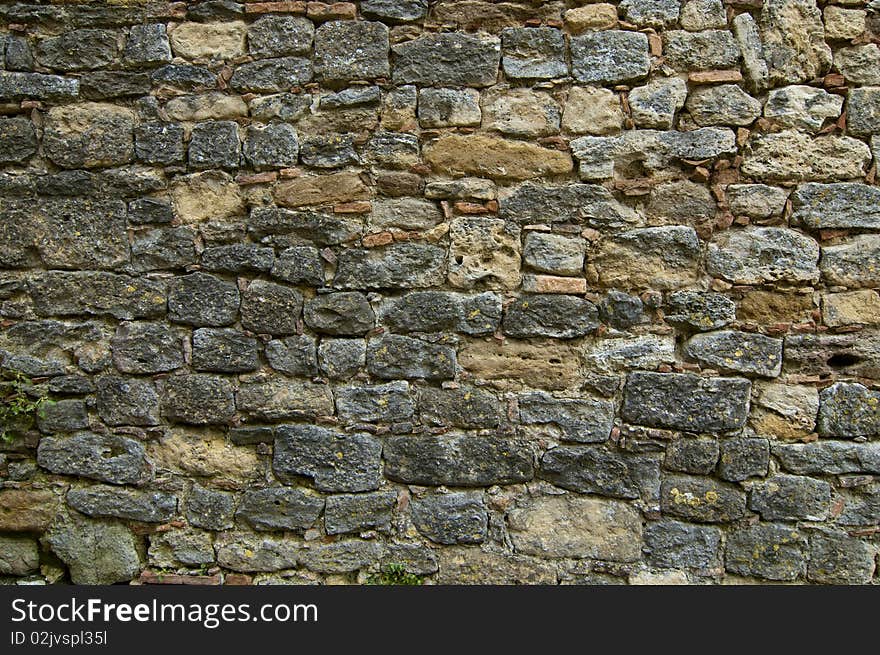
x,y
521,113
271,308
65,415
585,419
127,401
455,59
861,507
575,526
756,200
19,86
852,308
299,265
545,364
104,457
595,470
686,402
796,157
669,258
533,53
698,456
403,265
210,195
296,356
863,112
350,50
336,462
277,399
701,499
673,544
163,249
453,518
725,104
591,204
106,501
77,50
237,258
843,264
457,460
357,512
209,509
271,146
449,107
802,107
19,555
591,110
743,458
342,314
484,252
466,407
767,550
321,190
17,140
328,151
89,135
139,347
27,509
462,565
700,51
793,40
251,553
341,557
405,213
278,36
487,156
626,353
394,357
385,403
341,359
176,547
846,205
655,104
214,144
764,254
848,410
224,351
209,40
95,552
837,558
198,399
280,509
554,253
395,10
201,300
700,310
562,317
740,352
147,45
610,57
790,497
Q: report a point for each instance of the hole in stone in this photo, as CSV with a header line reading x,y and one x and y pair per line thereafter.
x,y
843,360
459,259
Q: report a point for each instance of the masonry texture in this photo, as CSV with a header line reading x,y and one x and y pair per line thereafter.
x,y
502,292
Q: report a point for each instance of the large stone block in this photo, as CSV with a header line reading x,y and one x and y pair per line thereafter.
x,y
610,57
351,50
455,59
488,156
104,457
89,135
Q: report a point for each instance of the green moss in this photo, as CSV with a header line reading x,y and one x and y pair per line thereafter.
x,y
394,574
20,404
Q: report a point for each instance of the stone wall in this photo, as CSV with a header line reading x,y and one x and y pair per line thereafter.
x,y
527,292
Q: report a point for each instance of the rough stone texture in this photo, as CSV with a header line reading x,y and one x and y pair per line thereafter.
x,y
771,551
109,458
824,206
701,499
738,351
793,41
456,59
533,53
848,410
803,107
95,552
764,254
610,57
280,509
795,157
106,501
454,518
496,158
789,498
672,544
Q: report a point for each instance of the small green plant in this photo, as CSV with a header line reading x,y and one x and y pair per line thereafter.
x,y
20,405
394,574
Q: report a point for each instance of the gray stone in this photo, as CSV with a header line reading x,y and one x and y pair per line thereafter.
x,y
104,457
465,407
843,264
803,107
793,40
104,85
385,403
550,315
282,399
163,248
464,565
250,435
462,189
670,258
764,254
639,352
214,144
699,310
251,553
281,106
271,146
342,556
701,499
686,402
89,135
791,498
651,13
176,547
299,265
19,555
146,348
280,509
203,300
621,310
423,311
741,352
554,253
533,53
756,200
584,419
457,460
397,357
198,399
449,107
829,457
328,151
699,15
453,518
828,206
112,502
743,458
295,356
127,401
277,36
96,552
270,308
65,415
341,359
767,550
351,50
848,410
698,51
447,58
397,266
271,75
672,545
863,112
393,150
18,142
77,50
18,54
209,509
357,512
862,507
352,97
859,63
596,470
654,105
395,10
725,104
405,213
698,456
159,143
336,462
590,204
610,57
20,86
681,202
150,210
184,77
147,45
237,258
224,351
748,37
836,558
339,314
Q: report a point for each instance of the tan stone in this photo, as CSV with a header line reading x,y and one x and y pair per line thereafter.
x,y
783,410
521,112
322,190
647,262
509,364
484,252
768,307
554,284
27,510
843,23
209,40
577,526
796,157
663,578
492,157
212,195
206,454
853,308
591,110
211,106
601,16
466,566
93,133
